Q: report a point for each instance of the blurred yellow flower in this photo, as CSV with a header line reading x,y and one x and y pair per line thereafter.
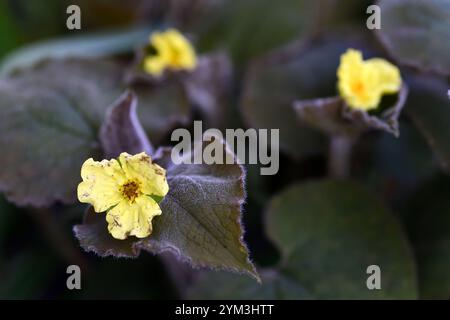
x,y
125,188
173,51
363,83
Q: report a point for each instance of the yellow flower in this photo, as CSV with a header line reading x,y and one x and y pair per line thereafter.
x,y
125,188
363,83
173,51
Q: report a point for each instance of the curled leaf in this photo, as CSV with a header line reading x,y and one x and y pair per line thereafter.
x,y
121,131
333,116
300,71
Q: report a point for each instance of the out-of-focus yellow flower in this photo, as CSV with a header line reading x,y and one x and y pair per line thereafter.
x,y
125,188
173,51
363,83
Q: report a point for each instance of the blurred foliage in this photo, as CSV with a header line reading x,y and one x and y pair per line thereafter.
x,y
427,219
310,239
326,232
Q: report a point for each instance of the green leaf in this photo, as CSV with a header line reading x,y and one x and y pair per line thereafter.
x,y
86,46
428,223
50,116
429,108
200,221
416,33
329,233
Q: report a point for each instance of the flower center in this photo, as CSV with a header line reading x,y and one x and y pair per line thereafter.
x,y
358,88
130,190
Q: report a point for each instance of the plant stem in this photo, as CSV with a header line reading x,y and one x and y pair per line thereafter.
x,y
339,160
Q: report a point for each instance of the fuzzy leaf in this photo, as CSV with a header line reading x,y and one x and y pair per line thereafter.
x,y
325,114
429,109
93,236
333,116
50,116
200,221
121,131
416,33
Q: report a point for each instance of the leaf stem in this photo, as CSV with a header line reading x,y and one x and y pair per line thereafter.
x,y
340,151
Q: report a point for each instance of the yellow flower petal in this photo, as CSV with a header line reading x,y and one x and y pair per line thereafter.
x,y
132,219
123,188
100,184
183,54
389,79
173,51
363,83
151,176
154,65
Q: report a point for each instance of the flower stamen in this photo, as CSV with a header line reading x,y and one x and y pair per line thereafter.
x,y
130,190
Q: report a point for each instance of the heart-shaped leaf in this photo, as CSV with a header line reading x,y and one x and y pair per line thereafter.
x,y
416,33
200,221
